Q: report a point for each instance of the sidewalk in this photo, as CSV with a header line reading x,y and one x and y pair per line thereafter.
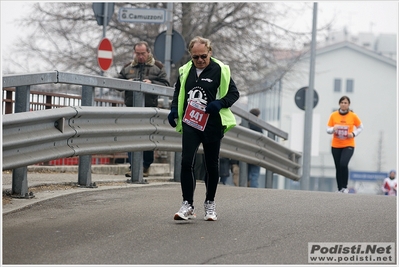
x,y
47,182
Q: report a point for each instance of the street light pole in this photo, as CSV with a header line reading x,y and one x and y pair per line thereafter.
x,y
168,47
307,139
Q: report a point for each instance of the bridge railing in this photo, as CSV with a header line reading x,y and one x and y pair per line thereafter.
x,y
38,136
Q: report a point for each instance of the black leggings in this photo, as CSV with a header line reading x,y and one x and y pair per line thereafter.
x,y
191,141
342,157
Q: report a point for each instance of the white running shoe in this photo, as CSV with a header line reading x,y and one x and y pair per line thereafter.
x,y
344,190
186,212
210,213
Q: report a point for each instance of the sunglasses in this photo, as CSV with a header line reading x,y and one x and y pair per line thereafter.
x,y
204,56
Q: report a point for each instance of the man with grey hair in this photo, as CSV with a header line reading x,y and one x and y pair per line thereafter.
x,y
204,93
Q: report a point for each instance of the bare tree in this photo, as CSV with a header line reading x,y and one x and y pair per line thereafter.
x,y
246,35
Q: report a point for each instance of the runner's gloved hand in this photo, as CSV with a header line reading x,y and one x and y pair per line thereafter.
x,y
172,116
213,107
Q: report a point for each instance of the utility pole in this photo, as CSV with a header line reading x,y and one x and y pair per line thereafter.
x,y
307,142
168,47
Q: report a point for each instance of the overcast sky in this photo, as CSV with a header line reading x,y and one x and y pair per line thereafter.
x,y
356,16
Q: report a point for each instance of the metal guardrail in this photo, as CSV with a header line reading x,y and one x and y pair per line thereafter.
x,y
38,136
118,84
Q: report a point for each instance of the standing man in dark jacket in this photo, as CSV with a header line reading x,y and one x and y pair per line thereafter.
x,y
146,69
204,93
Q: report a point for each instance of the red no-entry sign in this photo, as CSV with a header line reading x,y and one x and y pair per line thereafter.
x,y
104,54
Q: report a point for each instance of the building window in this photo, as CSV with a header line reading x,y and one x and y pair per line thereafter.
x,y
349,86
337,85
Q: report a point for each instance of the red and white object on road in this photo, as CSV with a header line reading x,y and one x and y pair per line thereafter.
x,y
105,54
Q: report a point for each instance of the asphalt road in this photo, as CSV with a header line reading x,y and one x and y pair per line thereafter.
x,y
135,225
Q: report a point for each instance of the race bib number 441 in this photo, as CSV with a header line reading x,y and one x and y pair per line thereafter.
x,y
195,115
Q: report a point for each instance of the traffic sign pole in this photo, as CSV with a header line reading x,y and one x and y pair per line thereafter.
x,y
105,19
103,13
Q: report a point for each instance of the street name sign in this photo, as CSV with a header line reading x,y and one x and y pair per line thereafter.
x,y
367,176
142,15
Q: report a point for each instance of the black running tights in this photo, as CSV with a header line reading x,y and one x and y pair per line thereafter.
x,y
190,144
342,157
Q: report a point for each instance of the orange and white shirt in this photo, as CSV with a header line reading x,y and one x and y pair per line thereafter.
x,y
347,123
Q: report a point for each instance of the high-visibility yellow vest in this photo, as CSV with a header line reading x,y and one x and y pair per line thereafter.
x,y
227,117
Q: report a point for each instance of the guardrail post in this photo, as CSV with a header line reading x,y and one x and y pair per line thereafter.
x,y
269,174
243,180
136,170
8,104
22,98
177,167
84,169
20,175
269,179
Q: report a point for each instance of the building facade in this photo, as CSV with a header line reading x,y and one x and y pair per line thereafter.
x,y
345,67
